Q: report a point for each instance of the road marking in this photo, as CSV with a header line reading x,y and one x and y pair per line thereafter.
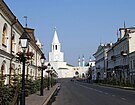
x,y
123,98
95,90
85,87
113,95
100,91
91,88
105,93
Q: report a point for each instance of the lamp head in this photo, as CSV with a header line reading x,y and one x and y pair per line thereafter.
x,y
24,39
42,59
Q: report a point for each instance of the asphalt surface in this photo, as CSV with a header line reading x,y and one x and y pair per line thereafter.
x,y
78,93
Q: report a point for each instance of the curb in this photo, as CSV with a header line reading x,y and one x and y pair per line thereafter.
x,y
50,96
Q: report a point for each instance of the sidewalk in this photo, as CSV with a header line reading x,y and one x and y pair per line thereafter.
x,y
36,99
116,86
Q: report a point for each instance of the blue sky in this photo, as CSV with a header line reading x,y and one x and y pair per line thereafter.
x,y
81,24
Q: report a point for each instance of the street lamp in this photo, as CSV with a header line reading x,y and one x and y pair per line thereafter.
x,y
24,39
42,62
48,71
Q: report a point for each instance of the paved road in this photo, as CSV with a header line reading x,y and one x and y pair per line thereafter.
x,y
78,93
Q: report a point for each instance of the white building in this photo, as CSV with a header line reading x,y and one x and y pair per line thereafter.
x,y
101,60
92,68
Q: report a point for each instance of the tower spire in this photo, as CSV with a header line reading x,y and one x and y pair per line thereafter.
x,y
79,63
83,61
90,58
55,38
55,43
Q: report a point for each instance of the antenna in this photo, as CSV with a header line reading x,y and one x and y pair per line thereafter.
x,y
25,20
100,39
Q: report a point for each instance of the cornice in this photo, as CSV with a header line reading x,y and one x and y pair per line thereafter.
x,y
9,16
36,47
7,11
4,53
121,40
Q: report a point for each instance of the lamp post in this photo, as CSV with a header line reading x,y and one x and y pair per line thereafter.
x,y
42,63
55,76
24,39
51,77
48,71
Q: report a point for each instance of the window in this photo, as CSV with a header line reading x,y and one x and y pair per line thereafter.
x,y
13,42
4,35
19,69
55,47
133,64
1,71
12,69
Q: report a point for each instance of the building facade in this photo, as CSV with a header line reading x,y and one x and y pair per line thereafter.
x,y
10,48
132,67
121,55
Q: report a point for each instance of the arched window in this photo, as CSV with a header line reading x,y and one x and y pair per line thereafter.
x,y
3,72
4,35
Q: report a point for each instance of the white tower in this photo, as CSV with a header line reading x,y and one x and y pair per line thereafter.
x,y
83,61
90,59
79,63
56,54
56,57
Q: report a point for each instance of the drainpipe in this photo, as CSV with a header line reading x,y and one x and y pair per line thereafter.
x,y
14,22
36,66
